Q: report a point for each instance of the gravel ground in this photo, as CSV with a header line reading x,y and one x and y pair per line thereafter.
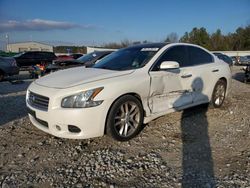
x,y
198,147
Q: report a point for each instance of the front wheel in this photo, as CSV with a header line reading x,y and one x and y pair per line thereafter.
x,y
125,118
219,94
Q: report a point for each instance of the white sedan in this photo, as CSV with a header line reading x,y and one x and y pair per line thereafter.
x,y
127,88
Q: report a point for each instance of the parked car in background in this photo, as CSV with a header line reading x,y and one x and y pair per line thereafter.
x,y
235,60
225,58
27,59
240,60
76,55
63,57
217,53
248,58
86,60
67,57
244,60
127,88
8,67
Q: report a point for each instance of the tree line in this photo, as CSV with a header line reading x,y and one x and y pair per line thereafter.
x,y
238,40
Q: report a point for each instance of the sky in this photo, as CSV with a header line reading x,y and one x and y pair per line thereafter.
x,y
96,22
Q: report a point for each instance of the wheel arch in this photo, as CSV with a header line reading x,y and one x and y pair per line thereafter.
x,y
226,81
137,96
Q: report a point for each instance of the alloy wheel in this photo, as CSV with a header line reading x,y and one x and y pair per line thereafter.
x,y
127,119
219,94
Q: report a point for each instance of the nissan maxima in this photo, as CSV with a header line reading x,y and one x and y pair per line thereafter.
x,y
127,89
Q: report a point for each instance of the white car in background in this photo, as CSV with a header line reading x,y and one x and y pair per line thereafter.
x,y
127,88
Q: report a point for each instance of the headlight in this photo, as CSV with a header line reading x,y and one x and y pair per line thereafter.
x,y
83,99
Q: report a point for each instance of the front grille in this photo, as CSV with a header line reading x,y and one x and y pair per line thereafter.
x,y
38,101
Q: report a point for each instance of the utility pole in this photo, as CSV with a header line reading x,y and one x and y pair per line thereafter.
x,y
8,42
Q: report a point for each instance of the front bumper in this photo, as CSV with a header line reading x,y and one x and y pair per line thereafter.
x,y
57,120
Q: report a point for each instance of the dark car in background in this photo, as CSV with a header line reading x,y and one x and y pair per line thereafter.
x,y
27,59
87,60
8,67
225,58
244,60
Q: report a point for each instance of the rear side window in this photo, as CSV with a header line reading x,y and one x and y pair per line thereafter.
x,y
44,55
27,55
198,56
176,53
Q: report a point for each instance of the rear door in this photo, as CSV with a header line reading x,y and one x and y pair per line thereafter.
x,y
204,72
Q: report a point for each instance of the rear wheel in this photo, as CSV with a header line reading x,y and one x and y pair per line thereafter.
x,y
219,94
125,118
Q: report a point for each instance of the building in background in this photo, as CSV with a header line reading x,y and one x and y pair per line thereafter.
x,y
29,46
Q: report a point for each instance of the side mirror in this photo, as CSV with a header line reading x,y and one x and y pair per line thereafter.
x,y
169,65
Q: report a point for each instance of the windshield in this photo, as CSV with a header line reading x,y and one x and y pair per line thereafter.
x,y
87,57
127,59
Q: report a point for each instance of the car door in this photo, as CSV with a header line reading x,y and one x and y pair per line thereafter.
x,y
170,88
203,70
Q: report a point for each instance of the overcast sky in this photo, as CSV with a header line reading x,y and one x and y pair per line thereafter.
x,y
94,22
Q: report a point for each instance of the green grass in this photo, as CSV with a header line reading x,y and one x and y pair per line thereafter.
x,y
7,54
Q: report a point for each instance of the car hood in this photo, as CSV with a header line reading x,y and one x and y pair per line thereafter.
x,y
77,76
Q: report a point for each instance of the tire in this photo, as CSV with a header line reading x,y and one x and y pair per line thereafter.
x,y
125,118
1,75
219,94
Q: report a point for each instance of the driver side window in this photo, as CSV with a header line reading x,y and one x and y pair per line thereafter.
x,y
176,53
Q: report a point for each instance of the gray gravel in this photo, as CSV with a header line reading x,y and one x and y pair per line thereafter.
x,y
200,147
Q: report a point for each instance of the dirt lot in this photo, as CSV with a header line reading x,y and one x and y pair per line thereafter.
x,y
199,147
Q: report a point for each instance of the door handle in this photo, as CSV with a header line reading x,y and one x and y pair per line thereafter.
x,y
215,70
186,75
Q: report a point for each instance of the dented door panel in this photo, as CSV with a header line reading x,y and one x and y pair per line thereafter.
x,y
168,90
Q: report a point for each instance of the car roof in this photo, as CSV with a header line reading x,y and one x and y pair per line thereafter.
x,y
37,52
148,45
